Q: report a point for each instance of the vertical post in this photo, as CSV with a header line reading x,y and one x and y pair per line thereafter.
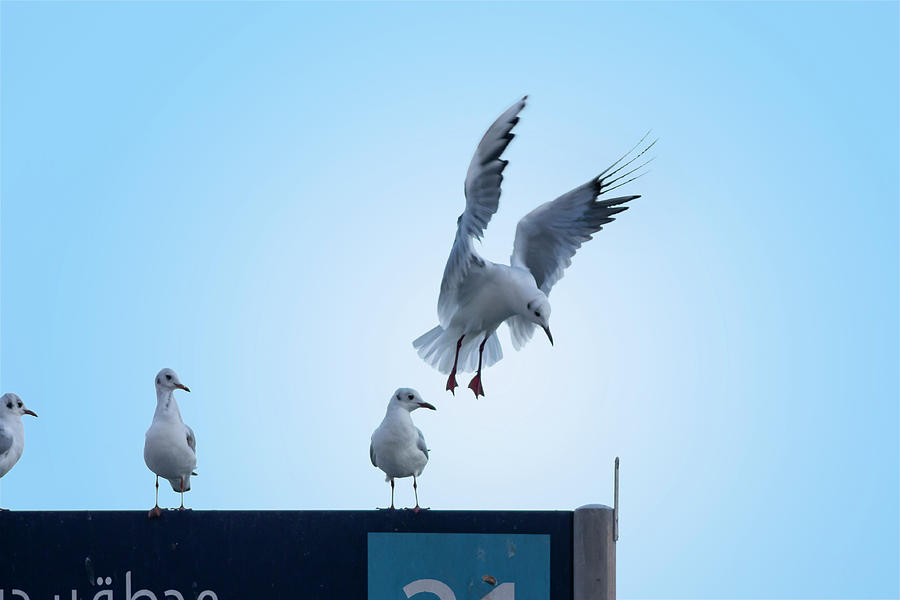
x,y
616,503
596,530
594,557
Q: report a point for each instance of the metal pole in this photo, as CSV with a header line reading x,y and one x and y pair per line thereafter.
x,y
616,503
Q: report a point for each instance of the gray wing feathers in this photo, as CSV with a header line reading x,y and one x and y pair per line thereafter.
x,y
420,443
548,237
520,331
191,440
372,454
6,440
482,189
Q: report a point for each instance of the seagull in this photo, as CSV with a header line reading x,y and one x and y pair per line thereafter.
x,y
12,433
170,447
398,447
477,295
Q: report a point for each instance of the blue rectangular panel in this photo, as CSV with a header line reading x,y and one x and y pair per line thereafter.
x,y
458,566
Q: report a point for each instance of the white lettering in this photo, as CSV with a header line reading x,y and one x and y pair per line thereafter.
x,y
432,586
504,591
137,594
108,594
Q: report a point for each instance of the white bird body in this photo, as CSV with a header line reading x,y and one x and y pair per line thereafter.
x,y
11,426
12,431
497,292
166,449
170,447
478,295
397,446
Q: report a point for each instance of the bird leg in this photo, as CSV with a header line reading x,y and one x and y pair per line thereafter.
x,y
475,384
182,494
451,381
416,492
155,511
392,497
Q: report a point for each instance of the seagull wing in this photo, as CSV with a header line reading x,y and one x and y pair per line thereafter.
x,y
548,237
6,440
372,454
482,188
420,443
191,440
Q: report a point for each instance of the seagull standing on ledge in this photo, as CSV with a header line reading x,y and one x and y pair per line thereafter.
x,y
12,432
478,295
170,448
398,447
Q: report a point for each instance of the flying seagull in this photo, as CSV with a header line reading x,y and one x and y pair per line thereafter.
x,y
478,295
398,447
170,447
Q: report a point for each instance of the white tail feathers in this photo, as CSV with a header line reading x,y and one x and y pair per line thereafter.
x,y
437,347
176,483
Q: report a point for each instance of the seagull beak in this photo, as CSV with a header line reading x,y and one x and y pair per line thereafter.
x,y
549,335
30,412
426,405
181,386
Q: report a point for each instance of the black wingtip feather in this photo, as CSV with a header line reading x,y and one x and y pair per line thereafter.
x,y
616,201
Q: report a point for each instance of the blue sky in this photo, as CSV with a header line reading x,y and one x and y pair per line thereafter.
x,y
262,197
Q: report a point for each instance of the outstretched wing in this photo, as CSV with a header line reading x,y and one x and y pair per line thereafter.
x,y
482,188
6,440
548,237
420,443
372,454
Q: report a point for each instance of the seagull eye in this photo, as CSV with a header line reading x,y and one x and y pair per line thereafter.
x,y
410,396
537,313
168,377
20,404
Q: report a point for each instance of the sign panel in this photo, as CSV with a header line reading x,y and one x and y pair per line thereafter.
x,y
458,566
219,555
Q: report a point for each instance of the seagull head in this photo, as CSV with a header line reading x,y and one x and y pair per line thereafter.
x,y
409,399
11,404
167,380
538,312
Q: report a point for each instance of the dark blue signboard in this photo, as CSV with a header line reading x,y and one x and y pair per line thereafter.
x,y
200,555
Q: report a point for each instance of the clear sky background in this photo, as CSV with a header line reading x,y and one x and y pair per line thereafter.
x,y
263,196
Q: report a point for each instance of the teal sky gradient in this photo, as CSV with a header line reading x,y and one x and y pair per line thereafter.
x,y
262,197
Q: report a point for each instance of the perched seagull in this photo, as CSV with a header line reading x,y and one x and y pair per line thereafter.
x,y
478,295
398,447
170,448
12,433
